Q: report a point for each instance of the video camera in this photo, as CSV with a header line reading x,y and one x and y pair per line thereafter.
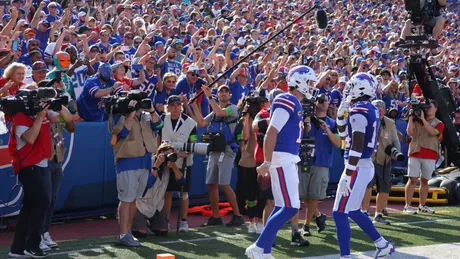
x,y
28,101
253,100
119,104
418,107
215,140
420,14
307,148
394,152
309,105
197,148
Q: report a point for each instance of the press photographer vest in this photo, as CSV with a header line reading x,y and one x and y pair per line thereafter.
x,y
140,135
153,200
57,143
421,138
181,133
385,139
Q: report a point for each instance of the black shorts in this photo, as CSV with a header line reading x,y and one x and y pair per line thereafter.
x,y
266,194
382,178
173,185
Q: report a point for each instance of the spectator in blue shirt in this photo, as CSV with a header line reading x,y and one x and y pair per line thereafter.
x,y
53,12
238,81
102,84
190,85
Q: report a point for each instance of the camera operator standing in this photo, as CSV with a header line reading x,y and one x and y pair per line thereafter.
x,y
30,146
135,142
434,25
221,124
426,132
150,212
178,127
387,138
313,184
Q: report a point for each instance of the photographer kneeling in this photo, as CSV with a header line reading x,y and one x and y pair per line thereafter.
x,y
30,147
387,141
133,142
426,132
313,183
150,212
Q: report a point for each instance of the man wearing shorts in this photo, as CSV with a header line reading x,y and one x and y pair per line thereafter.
x,y
426,133
387,136
313,184
133,143
221,120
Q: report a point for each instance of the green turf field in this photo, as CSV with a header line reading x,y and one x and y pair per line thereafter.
x,y
221,242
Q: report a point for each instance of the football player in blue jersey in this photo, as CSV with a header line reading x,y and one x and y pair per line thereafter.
x,y
281,148
360,129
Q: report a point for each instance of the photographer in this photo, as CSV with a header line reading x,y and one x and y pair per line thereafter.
x,y
434,25
387,138
133,147
313,184
426,132
150,212
221,125
253,104
30,146
180,128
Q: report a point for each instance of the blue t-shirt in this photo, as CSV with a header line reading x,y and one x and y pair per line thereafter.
x,y
162,97
371,113
172,67
130,53
135,163
336,97
89,107
43,38
148,86
290,136
183,87
323,145
237,92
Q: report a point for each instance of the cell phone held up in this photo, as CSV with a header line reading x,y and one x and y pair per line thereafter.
x,y
15,45
137,67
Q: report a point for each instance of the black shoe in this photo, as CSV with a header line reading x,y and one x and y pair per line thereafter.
x,y
35,253
385,212
16,255
235,222
213,222
321,222
306,231
297,240
366,213
379,219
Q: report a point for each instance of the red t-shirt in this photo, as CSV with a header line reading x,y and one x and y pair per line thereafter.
x,y
283,86
425,153
13,90
125,81
259,153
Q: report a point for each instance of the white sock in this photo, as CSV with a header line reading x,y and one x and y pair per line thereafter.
x,y
381,242
377,213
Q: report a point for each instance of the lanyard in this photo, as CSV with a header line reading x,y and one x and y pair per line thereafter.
x,y
179,121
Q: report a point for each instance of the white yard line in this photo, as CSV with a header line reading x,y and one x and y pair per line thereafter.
x,y
448,251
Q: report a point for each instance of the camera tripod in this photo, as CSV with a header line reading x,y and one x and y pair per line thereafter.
x,y
419,69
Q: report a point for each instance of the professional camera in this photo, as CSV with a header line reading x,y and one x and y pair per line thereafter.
x,y
307,148
418,107
28,101
171,157
394,152
253,100
197,148
119,104
309,107
216,141
420,14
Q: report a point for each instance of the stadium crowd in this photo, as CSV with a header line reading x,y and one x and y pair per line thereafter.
x,y
170,49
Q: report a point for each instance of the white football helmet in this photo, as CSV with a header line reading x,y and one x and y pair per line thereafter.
x,y
360,85
303,79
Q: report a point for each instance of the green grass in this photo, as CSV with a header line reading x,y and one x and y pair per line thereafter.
x,y
231,243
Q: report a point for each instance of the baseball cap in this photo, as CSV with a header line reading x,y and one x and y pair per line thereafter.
x,y
6,17
30,41
39,66
192,68
83,29
173,99
30,31
222,87
44,23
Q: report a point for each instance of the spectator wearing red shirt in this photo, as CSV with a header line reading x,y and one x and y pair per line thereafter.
x,y
426,132
119,72
30,146
12,79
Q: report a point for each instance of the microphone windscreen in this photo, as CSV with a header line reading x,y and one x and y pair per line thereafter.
x,y
321,19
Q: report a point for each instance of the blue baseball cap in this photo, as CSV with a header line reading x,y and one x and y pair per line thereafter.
x,y
6,17
105,71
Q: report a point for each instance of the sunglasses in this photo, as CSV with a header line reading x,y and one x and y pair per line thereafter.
x,y
170,81
137,42
193,74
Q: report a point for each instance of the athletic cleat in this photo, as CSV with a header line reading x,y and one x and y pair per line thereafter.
x,y
379,219
236,221
254,252
385,212
43,246
306,231
252,228
35,253
409,210
297,240
425,209
385,251
321,222
16,255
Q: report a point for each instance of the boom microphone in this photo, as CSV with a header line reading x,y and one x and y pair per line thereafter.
x,y
321,17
